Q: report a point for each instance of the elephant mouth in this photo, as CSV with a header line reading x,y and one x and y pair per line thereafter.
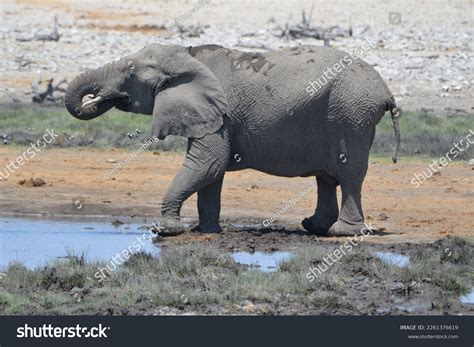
x,y
123,103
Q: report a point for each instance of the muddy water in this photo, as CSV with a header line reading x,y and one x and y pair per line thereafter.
x,y
34,242
266,262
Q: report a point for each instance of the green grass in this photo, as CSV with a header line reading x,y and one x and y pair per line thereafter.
x,y
108,130
195,276
422,134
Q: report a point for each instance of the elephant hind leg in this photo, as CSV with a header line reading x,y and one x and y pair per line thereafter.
x,y
351,218
327,210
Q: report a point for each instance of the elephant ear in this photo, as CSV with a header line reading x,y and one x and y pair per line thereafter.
x,y
193,104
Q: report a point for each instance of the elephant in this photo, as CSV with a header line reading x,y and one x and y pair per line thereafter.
x,y
243,110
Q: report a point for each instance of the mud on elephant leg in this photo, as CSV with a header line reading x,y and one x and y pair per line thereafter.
x,y
327,211
209,207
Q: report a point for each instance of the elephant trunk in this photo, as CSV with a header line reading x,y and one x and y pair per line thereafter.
x,y
92,84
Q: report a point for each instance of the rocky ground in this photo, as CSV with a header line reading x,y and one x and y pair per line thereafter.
x,y
424,50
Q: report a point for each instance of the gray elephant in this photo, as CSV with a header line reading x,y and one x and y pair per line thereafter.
x,y
244,110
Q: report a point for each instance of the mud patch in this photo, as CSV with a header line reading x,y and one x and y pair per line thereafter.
x,y
237,237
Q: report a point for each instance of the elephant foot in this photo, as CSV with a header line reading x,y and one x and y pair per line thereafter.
x,y
207,228
342,228
170,227
318,224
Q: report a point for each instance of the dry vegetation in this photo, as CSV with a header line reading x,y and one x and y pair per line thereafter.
x,y
198,279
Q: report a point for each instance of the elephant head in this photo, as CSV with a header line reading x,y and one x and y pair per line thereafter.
x,y
183,95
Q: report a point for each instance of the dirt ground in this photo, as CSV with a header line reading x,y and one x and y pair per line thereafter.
x,y
76,188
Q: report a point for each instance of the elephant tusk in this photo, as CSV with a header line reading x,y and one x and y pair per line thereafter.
x,y
91,102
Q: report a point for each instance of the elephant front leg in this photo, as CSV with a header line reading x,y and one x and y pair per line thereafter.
x,y
202,171
180,189
209,207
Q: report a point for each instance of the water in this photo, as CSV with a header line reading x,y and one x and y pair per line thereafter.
x,y
393,259
468,298
266,262
35,242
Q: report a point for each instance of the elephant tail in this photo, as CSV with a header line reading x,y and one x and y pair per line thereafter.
x,y
392,107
